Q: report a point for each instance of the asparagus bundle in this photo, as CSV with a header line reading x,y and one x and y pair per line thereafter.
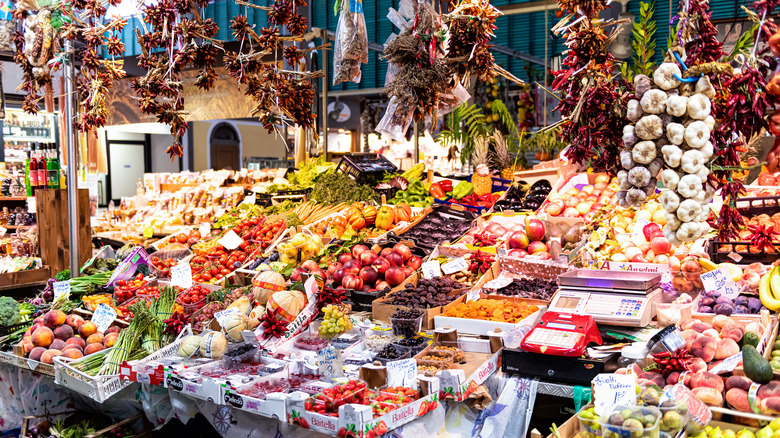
x,y
128,340
161,309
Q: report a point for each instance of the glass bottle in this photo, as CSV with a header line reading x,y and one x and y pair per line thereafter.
x,y
53,168
4,216
42,172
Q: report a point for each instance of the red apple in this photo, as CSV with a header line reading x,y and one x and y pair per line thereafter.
x,y
368,275
590,215
382,285
296,274
395,259
639,258
402,249
352,266
333,267
536,246
318,272
407,271
655,234
310,265
534,229
570,212
572,202
352,281
368,257
394,275
339,275
518,253
381,264
385,252
414,262
518,239
358,249
544,255
344,258
660,245
366,288
649,229
496,228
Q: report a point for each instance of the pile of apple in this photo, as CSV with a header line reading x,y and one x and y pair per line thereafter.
x,y
522,238
583,202
363,268
58,334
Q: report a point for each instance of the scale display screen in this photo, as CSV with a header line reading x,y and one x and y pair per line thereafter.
x,y
568,302
558,325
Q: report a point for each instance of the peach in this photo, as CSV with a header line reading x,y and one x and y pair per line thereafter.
x,y
95,338
48,356
38,320
109,340
36,353
720,321
689,336
770,406
74,321
737,398
42,337
73,353
707,380
72,347
771,389
28,346
681,284
76,341
690,265
93,348
740,382
58,344
704,347
54,318
113,329
733,332
87,329
696,365
727,347
660,245
708,396
674,378
701,327
63,332
711,333
655,378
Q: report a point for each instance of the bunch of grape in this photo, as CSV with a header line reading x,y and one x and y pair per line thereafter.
x,y
335,323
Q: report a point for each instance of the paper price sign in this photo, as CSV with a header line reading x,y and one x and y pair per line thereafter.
x,y
230,240
498,283
454,266
613,389
431,269
204,229
103,317
638,232
221,315
720,280
728,364
250,200
473,295
3,231
181,275
61,289
402,373
329,362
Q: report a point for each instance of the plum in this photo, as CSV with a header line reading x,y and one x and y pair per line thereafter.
x,y
723,309
708,301
741,309
754,304
741,301
724,300
705,309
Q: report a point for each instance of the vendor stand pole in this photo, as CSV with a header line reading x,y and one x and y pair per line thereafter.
x,y
416,143
324,113
72,142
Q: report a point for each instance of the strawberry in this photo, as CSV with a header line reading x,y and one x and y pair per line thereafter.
x,y
423,409
342,433
380,428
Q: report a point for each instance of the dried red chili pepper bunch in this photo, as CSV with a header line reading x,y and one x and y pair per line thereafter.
x,y
31,84
328,295
471,26
705,47
762,237
172,45
590,8
481,262
593,104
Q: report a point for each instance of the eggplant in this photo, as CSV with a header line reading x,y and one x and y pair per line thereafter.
x,y
542,183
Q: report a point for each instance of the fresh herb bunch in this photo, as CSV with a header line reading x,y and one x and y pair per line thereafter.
x,y
643,44
309,172
338,187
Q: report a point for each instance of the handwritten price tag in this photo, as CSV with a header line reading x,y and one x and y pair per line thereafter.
x,y
222,314
181,275
473,295
402,373
204,229
638,233
613,389
250,200
453,266
311,287
103,317
431,269
61,289
728,364
3,231
720,280
498,283
32,204
230,240
329,362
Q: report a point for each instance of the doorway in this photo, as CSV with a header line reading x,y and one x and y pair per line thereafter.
x,y
126,165
225,147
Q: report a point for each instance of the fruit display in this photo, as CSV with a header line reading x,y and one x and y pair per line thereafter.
x,y
492,310
435,228
642,422
365,269
406,323
583,202
427,293
478,264
775,355
330,399
299,248
127,289
527,287
335,322
522,197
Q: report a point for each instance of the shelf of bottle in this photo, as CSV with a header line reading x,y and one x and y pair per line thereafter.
x,y
13,198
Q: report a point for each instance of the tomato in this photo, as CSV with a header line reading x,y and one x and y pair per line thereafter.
x,y
214,271
192,240
237,230
241,257
223,259
219,277
121,283
206,277
181,238
139,276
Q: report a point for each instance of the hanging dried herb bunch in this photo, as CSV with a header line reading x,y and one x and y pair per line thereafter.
x,y
351,45
471,26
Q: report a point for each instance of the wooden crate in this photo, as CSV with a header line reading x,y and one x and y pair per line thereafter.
x,y
53,231
32,277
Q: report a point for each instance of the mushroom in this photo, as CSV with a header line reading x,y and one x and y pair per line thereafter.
x,y
642,83
653,102
639,176
672,155
677,105
669,200
689,186
636,196
675,132
697,134
626,160
643,152
628,136
671,235
692,161
649,127
688,211
672,221
699,106
707,150
688,232
634,110
670,178
710,122
664,76
704,86
655,166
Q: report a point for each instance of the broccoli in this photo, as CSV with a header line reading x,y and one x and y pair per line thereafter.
x,y
9,311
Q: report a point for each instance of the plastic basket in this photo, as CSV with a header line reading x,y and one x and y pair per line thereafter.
x,y
365,168
98,388
724,252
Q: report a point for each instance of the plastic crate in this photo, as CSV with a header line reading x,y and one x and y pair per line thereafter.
x,y
759,205
98,388
365,168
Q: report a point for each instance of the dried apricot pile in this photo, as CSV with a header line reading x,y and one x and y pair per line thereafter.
x,y
492,310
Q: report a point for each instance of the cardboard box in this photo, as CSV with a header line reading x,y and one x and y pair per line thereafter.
x,y
478,367
550,173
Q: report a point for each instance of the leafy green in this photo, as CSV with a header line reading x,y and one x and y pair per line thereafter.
x,y
454,135
643,44
743,44
281,207
63,275
309,173
236,214
337,187
293,220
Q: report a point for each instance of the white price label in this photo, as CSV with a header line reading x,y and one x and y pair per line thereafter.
x,y
281,172
32,364
638,232
250,200
143,378
181,275
3,231
31,204
103,317
473,295
734,256
460,246
613,389
205,229
720,280
402,373
727,365
230,240
431,269
453,266
498,283
329,362
222,314
311,287
61,289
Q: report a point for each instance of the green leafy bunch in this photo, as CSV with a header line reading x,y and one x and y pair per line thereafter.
x,y
643,45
